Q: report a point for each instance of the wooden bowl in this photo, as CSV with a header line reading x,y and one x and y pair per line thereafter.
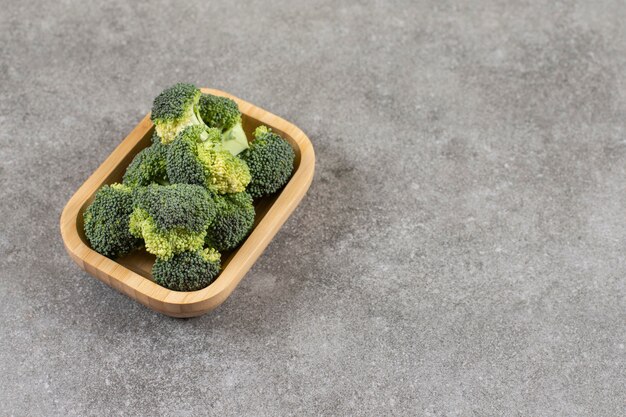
x,y
132,275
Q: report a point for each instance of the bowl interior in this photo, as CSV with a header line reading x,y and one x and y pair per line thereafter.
x,y
140,261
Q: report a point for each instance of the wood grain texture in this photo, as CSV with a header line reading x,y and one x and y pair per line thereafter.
x,y
131,274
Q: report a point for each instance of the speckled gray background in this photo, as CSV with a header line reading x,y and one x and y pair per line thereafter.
x,y
460,252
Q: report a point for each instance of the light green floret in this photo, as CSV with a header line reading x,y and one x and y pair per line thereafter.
x,y
223,113
161,243
171,219
175,109
197,157
225,172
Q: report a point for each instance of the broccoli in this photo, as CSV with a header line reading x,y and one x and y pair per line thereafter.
x,y
197,157
234,219
270,160
190,194
220,112
187,271
223,113
175,109
171,218
106,221
148,166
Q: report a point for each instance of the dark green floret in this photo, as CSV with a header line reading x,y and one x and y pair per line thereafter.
x,y
183,165
187,271
270,160
176,206
106,221
174,102
220,112
196,156
175,109
233,222
223,113
148,166
172,218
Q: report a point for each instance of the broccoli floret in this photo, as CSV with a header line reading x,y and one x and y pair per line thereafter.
x,y
223,113
220,112
227,173
197,157
270,160
187,271
175,109
148,166
172,218
234,219
106,221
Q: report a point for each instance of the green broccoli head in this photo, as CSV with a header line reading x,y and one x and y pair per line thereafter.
x,y
187,271
171,218
197,157
148,166
220,112
175,109
233,222
270,160
223,113
106,221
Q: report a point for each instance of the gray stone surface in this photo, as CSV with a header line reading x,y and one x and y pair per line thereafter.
x,y
460,252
